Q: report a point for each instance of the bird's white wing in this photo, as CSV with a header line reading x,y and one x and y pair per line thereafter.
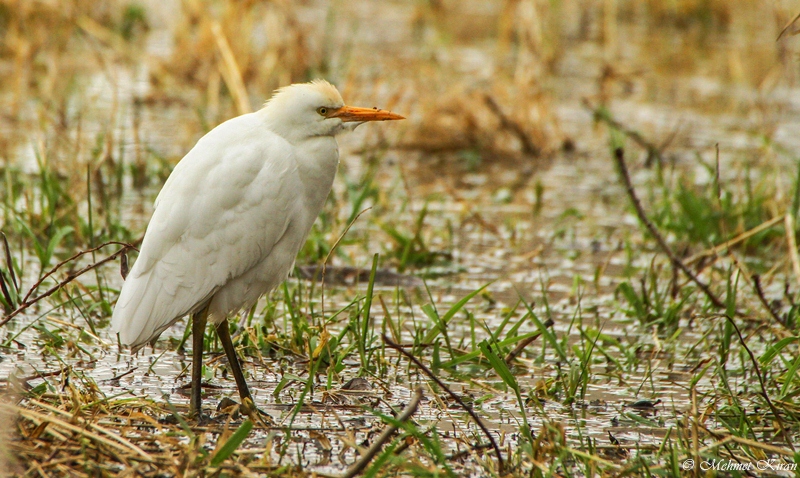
x,y
219,214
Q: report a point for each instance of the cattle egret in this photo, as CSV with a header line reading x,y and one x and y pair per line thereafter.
x,y
231,218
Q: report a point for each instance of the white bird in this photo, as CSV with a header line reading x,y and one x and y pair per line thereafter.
x,y
231,218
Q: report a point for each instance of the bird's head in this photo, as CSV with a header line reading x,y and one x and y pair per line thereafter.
x,y
316,109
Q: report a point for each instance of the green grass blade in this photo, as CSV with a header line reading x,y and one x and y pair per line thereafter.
x,y
232,444
776,349
477,353
504,372
499,366
788,378
546,333
362,339
453,311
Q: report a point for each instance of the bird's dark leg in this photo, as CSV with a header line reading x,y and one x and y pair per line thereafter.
x,y
248,407
233,360
199,320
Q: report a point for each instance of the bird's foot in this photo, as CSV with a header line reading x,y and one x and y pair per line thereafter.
x,y
228,406
203,419
200,418
256,414
193,417
247,407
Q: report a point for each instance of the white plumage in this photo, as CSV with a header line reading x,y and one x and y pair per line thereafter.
x,y
236,210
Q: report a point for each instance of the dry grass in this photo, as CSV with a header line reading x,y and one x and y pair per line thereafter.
x,y
76,432
9,460
259,44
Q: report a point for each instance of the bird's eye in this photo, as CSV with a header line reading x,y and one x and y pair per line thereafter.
x,y
322,110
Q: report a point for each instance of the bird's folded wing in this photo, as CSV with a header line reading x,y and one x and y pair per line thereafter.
x,y
219,214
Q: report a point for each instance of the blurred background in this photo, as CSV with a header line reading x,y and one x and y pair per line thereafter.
x,y
508,103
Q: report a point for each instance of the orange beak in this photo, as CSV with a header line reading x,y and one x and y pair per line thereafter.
x,y
354,113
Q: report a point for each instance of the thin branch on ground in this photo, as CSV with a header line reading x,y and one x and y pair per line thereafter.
x,y
528,147
619,154
385,436
601,114
764,393
469,410
28,301
58,266
763,300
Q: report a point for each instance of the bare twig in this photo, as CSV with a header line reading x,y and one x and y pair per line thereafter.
x,y
601,114
619,153
384,437
507,123
121,375
521,346
125,246
763,299
764,393
28,301
469,410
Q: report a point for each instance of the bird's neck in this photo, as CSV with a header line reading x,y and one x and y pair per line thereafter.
x,y
317,160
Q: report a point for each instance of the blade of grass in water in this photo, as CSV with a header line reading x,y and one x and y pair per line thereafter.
x,y
499,365
450,313
546,332
364,329
232,444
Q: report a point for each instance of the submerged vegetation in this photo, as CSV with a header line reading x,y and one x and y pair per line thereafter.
x,y
579,258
